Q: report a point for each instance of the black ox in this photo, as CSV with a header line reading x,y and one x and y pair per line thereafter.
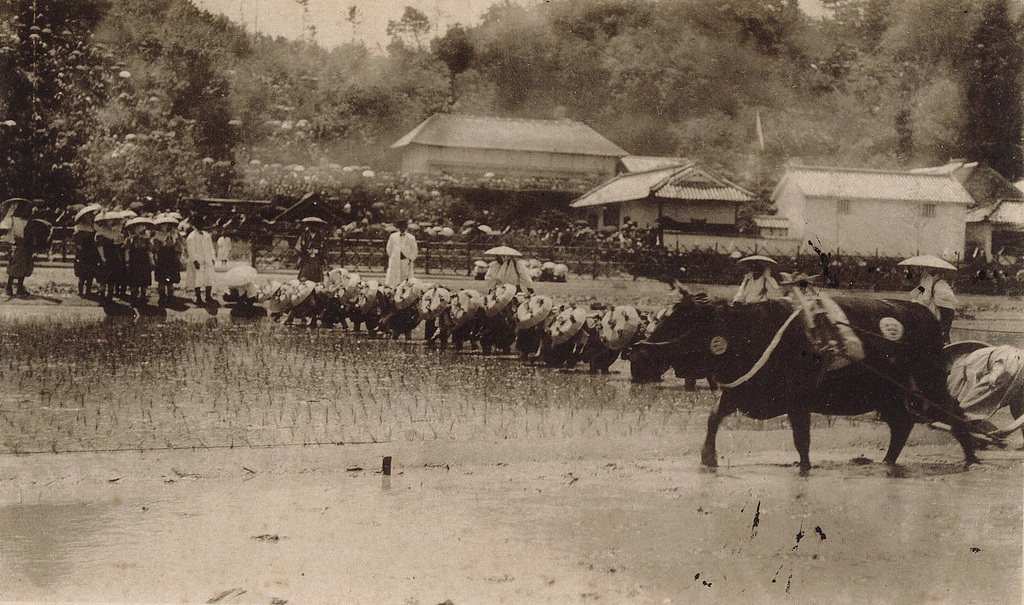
x,y
901,375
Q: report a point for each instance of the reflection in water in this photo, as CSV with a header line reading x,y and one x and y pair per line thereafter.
x,y
42,543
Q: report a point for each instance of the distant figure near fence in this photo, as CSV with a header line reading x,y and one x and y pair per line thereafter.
x,y
223,251
201,258
311,247
508,269
401,250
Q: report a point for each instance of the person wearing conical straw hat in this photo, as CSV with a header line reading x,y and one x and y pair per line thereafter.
x,y
934,291
758,285
87,255
509,268
402,251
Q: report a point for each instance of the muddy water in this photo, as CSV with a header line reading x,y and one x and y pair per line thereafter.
x,y
625,529
630,520
419,537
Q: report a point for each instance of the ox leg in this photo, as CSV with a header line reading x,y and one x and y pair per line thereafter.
x,y
900,424
709,454
1017,410
800,421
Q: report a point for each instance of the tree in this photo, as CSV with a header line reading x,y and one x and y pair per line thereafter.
x,y
994,112
411,30
770,24
354,18
51,79
456,51
861,23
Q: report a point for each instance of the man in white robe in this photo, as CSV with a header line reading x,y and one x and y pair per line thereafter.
x,y
401,250
200,259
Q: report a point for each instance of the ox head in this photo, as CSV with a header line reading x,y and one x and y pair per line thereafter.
x,y
679,341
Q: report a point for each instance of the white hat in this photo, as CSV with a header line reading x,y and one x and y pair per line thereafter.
x,y
465,305
534,311
499,298
567,324
434,302
618,327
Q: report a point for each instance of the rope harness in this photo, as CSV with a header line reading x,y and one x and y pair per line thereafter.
x,y
764,356
926,405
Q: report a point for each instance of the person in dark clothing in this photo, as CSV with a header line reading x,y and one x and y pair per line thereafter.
x,y
167,249
139,258
87,254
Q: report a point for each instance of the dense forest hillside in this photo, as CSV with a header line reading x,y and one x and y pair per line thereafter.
x,y
121,99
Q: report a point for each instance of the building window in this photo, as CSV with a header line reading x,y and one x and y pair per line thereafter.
x,y
928,210
844,206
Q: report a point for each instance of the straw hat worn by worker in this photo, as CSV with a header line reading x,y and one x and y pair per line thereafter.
x,y
402,251
508,269
934,291
758,285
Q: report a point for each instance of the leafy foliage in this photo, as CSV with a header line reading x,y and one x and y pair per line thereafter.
x,y
120,100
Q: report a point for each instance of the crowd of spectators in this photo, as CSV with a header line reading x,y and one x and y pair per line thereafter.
x,y
364,205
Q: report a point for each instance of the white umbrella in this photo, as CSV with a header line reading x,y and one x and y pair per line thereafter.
x,y
929,261
758,258
91,208
503,251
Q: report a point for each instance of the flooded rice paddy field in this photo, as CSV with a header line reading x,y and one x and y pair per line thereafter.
x,y
202,461
116,385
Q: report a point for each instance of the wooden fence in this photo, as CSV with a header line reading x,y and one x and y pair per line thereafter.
x,y
696,264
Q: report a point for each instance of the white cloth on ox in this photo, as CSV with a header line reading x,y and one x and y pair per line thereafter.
x,y
402,251
987,379
199,249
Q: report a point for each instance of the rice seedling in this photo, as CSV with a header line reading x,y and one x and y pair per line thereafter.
x,y
76,385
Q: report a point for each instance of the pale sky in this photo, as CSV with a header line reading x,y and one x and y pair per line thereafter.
x,y
285,17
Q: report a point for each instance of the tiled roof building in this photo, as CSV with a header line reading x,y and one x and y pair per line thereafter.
x,y
859,211
682,196
468,145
